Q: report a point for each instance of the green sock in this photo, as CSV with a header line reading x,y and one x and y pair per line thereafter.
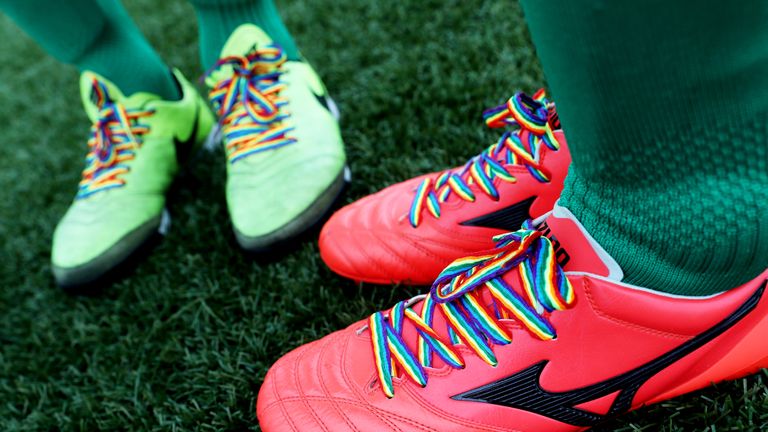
x,y
217,19
665,107
96,35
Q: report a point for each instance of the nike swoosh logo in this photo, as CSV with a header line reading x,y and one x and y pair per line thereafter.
x,y
323,100
314,84
523,390
184,148
507,219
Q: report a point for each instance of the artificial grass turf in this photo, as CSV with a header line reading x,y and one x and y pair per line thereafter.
x,y
184,341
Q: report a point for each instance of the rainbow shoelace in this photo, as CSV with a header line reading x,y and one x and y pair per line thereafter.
x,y
519,147
457,294
249,104
115,137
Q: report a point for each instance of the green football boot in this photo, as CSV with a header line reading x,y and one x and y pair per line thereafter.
x,y
285,158
135,146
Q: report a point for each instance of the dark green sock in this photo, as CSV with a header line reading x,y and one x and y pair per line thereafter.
x,y
665,107
218,18
96,35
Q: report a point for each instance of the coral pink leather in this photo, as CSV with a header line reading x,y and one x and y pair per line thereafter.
x,y
371,240
611,328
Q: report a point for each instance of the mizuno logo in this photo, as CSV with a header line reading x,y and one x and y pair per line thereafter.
x,y
507,219
523,390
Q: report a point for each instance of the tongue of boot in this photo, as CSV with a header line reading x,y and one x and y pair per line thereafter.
x,y
90,97
575,249
245,38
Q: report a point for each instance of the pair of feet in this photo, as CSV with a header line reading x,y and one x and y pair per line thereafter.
x,y
529,330
285,157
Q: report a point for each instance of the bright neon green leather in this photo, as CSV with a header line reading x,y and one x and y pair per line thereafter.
x,y
274,194
103,223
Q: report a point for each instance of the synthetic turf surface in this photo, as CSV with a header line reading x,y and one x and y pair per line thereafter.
x,y
183,343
